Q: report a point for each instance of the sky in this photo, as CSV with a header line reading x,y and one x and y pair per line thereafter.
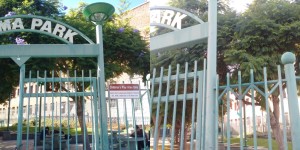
x,y
115,3
238,5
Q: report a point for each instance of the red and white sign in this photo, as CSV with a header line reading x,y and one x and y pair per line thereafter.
x,y
124,91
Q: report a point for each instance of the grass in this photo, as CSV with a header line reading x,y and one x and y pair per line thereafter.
x,y
262,142
32,129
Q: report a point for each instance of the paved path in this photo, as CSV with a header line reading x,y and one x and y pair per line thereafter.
x,y
11,145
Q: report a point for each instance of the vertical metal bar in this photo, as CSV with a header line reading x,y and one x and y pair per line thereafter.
x,y
155,144
211,74
134,122
267,109
118,119
52,96
28,108
126,120
288,59
217,114
183,108
20,112
166,108
193,105
8,113
36,111
175,107
68,101
101,82
203,123
110,121
282,108
45,76
151,96
95,104
83,112
240,111
143,126
76,104
60,91
199,111
253,110
228,111
92,110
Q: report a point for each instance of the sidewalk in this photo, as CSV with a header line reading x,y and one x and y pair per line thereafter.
x,y
11,145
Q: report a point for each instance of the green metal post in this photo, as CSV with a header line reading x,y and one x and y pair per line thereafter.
x,y
40,108
20,111
8,114
101,90
288,59
211,76
245,126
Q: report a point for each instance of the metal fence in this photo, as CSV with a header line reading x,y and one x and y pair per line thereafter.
x,y
68,105
248,112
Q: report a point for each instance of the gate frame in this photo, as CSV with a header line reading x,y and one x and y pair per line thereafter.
x,y
21,53
187,36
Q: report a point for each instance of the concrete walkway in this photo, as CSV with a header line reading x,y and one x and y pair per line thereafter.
x,y
11,145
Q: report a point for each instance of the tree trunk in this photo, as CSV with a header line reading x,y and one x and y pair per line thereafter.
x,y
177,132
80,103
186,138
275,125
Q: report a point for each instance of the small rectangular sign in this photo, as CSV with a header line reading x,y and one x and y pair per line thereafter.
x,y
124,91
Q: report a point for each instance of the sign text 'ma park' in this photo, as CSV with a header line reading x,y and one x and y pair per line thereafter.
x,y
38,24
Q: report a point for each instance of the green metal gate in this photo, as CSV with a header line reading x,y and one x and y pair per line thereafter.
x,y
237,125
177,99
61,98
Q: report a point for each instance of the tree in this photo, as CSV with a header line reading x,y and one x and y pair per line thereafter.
x,y
10,70
266,30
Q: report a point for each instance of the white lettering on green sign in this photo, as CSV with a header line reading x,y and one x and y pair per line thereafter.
x,y
39,24
167,17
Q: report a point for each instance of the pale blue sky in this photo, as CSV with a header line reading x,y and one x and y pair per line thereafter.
x,y
115,3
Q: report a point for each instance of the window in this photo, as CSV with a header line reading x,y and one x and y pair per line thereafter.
x,y
13,111
52,106
36,108
113,103
30,109
45,108
24,110
31,89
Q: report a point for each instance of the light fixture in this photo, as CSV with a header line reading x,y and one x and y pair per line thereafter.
x,y
98,12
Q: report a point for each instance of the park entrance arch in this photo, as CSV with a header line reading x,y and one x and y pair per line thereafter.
x,y
70,87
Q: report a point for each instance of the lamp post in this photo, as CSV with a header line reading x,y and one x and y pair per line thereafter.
x,y
98,13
